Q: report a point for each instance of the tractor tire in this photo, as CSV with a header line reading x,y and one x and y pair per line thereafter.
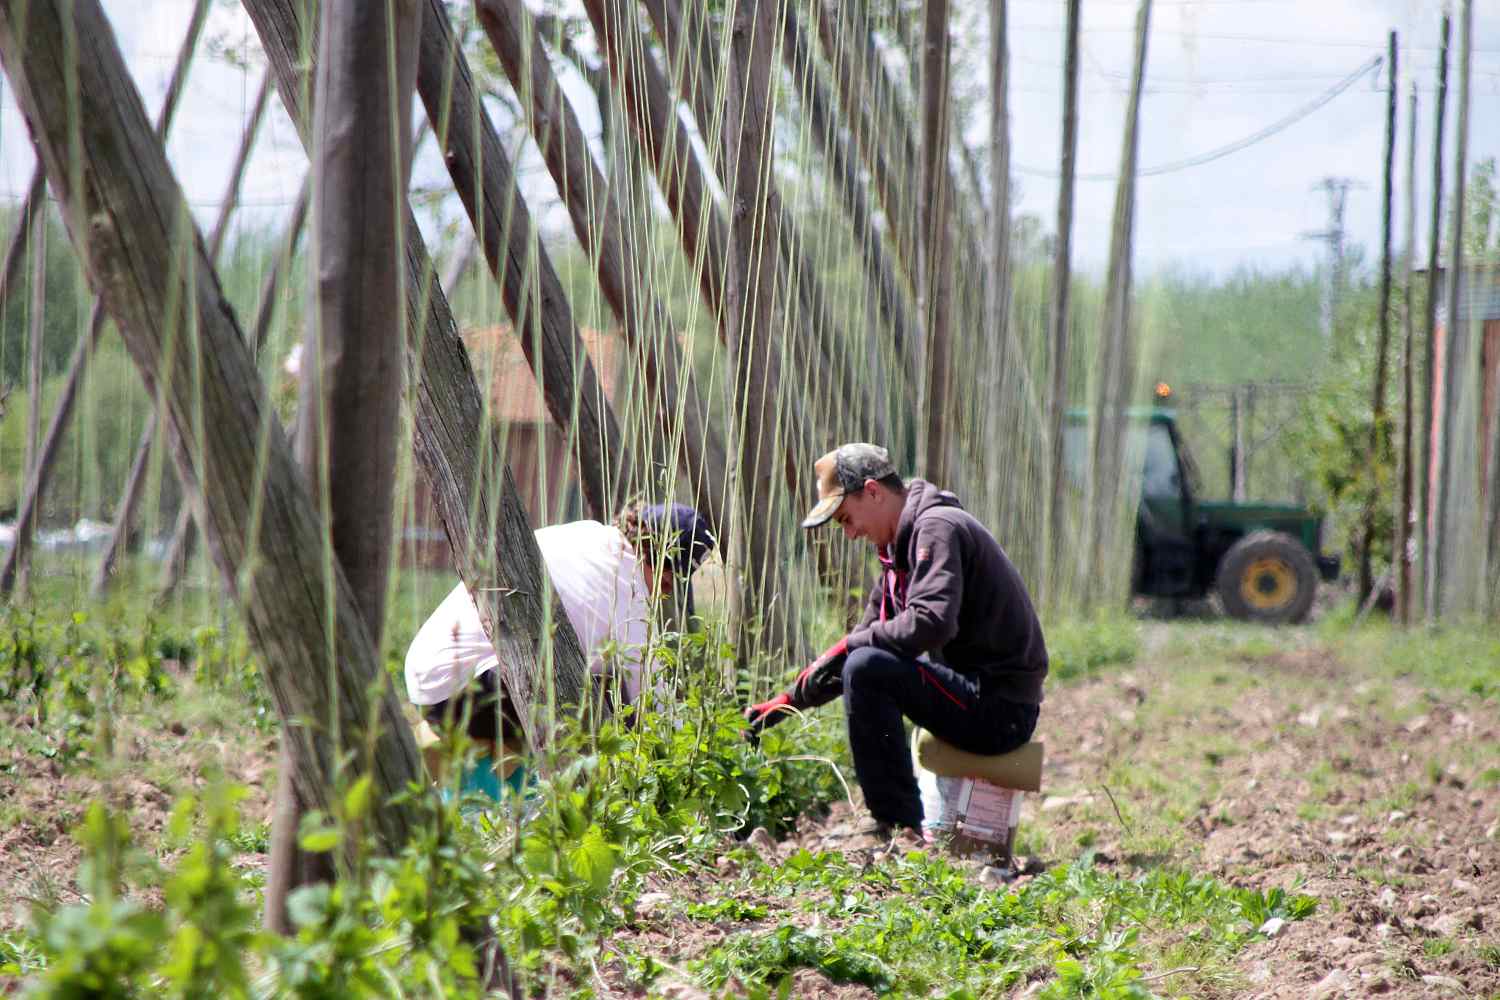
x,y
1269,577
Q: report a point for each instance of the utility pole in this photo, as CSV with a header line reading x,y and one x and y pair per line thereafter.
x,y
1379,436
1337,189
1430,496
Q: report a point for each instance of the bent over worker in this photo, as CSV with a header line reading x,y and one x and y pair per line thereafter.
x,y
610,579
949,636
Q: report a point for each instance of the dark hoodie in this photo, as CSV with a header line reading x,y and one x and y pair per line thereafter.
x,y
947,589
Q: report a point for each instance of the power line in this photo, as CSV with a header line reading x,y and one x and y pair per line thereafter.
x,y
1239,144
1223,36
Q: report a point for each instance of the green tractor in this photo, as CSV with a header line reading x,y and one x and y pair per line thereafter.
x,y
1264,559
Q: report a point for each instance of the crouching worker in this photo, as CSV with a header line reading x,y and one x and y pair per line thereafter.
x,y
949,638
611,580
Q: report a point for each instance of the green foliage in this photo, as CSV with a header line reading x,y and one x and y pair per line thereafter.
x,y
393,926
1250,326
905,928
65,675
658,794
1454,658
105,947
96,451
1078,647
554,876
65,308
1482,218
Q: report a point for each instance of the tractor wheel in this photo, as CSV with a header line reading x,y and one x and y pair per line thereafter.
x,y
1267,576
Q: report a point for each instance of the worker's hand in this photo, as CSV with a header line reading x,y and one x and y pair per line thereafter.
x,y
822,680
768,713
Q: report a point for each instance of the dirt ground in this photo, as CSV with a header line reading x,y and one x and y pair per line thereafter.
x,y
1380,819
1381,815
43,799
1376,796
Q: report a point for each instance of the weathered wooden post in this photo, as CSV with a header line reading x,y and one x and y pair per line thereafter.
x,y
488,528
605,236
1406,521
1001,489
36,329
1116,362
1430,494
934,237
1379,437
1061,279
351,377
40,473
750,307
126,213
1455,347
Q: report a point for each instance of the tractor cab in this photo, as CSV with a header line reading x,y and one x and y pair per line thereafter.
x,y
1263,559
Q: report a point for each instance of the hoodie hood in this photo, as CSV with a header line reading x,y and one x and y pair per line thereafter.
x,y
921,496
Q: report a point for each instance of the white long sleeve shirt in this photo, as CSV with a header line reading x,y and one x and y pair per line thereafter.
x,y
594,573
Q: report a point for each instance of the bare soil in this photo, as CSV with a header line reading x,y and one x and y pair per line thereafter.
x,y
1390,823
1382,812
1378,797
44,799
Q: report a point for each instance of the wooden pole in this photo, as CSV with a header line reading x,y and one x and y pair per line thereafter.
x,y
135,482
1406,522
351,375
935,239
1379,435
184,535
1061,277
37,330
1430,374
62,414
533,293
489,531
687,38
1002,487
889,293
604,233
706,239
127,214
1454,343
750,305
20,236
1115,357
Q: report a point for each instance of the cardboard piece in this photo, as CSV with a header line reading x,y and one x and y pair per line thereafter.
x,y
1020,769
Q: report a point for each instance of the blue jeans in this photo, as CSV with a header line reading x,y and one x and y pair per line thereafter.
x,y
881,688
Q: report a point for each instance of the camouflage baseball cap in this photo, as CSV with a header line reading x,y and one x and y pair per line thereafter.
x,y
844,471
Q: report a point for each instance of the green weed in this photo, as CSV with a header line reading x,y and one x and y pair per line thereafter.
x,y
1081,647
905,928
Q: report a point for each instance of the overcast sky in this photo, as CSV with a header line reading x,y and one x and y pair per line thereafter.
x,y
1218,71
